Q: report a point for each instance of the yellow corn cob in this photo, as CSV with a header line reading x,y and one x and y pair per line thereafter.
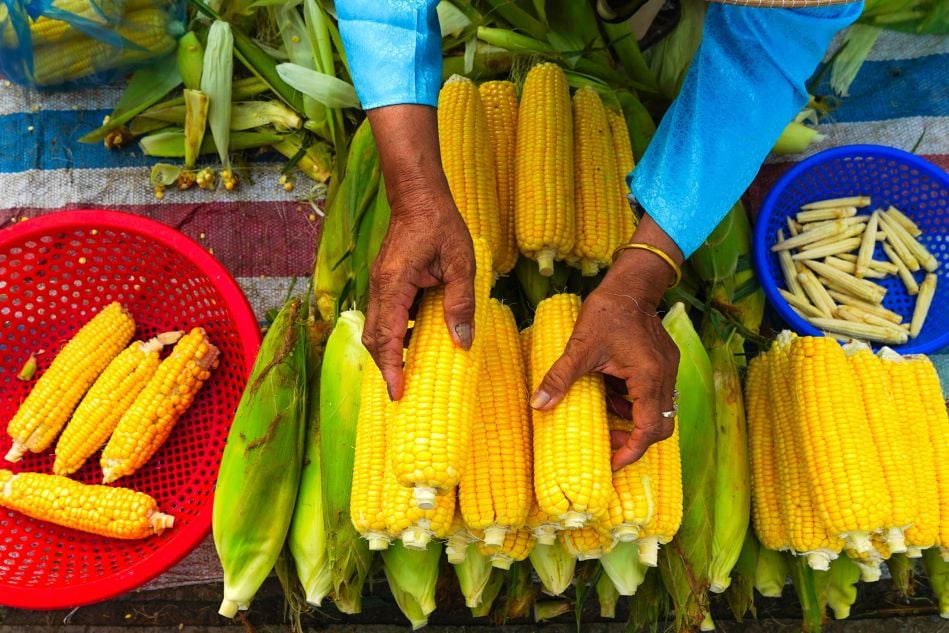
x,y
623,153
525,340
500,108
365,504
149,421
406,521
77,55
572,473
765,500
59,389
667,489
598,223
431,424
104,510
109,397
830,423
495,491
517,546
587,542
933,401
807,534
465,146
544,212
924,486
635,494
46,30
890,439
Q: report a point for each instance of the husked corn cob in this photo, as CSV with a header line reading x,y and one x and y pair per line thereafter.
x,y
636,497
365,504
499,100
597,204
587,542
149,421
830,424
466,151
414,526
431,424
765,492
77,55
516,546
107,13
890,440
623,153
807,534
109,397
104,510
495,491
667,488
572,473
937,419
544,215
59,389
924,486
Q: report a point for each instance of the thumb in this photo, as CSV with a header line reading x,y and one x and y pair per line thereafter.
x,y
460,305
566,370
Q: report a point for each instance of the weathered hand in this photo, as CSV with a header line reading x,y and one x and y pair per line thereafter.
x,y
427,243
620,335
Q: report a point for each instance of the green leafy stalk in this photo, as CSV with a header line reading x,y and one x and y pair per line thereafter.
x,y
343,364
803,578
260,468
685,561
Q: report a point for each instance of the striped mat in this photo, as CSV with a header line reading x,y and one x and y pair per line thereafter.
x,y
267,237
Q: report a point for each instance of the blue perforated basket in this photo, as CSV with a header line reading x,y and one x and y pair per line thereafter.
x,y
890,177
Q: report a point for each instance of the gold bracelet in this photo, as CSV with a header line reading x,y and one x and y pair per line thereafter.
x,y
652,249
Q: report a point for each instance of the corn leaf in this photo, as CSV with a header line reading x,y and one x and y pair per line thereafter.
x,y
451,19
473,574
771,572
216,83
858,41
326,89
554,566
414,572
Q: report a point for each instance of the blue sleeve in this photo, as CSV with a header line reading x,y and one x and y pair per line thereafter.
x,y
394,50
744,85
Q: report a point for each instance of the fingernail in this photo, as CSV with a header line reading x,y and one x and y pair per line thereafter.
x,y
540,399
463,332
389,391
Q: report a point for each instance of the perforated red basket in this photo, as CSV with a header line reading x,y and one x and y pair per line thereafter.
x,y
56,271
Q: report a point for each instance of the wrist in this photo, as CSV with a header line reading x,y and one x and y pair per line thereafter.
x,y
640,274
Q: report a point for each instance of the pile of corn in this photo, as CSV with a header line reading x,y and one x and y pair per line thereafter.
x,y
849,452
104,391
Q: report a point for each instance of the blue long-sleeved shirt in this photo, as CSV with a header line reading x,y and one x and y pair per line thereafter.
x,y
744,85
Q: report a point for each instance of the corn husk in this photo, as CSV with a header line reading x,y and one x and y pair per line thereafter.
x,y
685,561
554,566
260,468
216,82
622,566
473,574
412,575
902,571
937,571
771,573
837,587
607,595
740,594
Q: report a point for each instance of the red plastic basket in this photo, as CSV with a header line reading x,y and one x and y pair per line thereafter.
x,y
56,271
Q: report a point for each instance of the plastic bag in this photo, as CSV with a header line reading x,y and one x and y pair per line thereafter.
x,y
60,43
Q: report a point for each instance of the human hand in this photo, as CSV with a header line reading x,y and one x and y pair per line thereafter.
x,y
427,243
620,335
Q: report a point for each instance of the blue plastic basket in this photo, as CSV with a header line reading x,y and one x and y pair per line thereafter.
x,y
890,177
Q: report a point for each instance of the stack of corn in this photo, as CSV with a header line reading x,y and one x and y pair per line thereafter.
x,y
819,491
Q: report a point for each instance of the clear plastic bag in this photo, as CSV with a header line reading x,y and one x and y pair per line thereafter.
x,y
66,43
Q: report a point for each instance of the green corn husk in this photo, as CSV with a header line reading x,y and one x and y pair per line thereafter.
x,y
837,587
795,138
344,210
622,565
903,572
623,42
671,57
535,286
196,118
649,606
740,594
216,82
771,573
307,537
473,574
521,593
171,143
260,467
716,260
805,587
550,609
858,41
512,41
607,595
685,561
412,576
743,297
937,571
482,63
732,501
372,228
344,361
190,59
490,594
554,566
312,158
